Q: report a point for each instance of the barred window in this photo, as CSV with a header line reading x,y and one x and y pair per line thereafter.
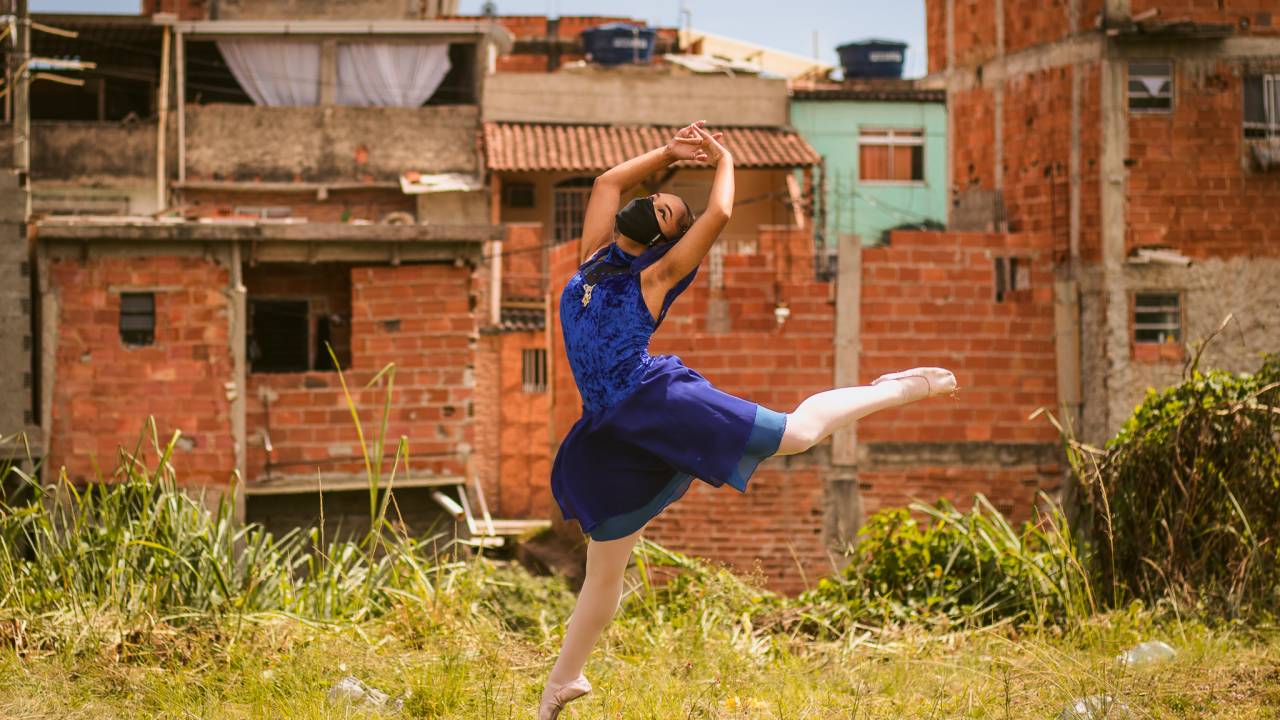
x,y
1262,106
569,207
534,370
1157,317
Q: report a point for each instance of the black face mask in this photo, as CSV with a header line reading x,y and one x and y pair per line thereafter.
x,y
639,222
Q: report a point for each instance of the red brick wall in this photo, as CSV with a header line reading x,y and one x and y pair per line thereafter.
x,y
1190,185
372,204
103,391
522,274
973,153
928,299
432,348
524,438
935,27
778,521
975,31
1011,490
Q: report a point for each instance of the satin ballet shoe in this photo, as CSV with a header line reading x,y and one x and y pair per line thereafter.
x,y
916,374
556,696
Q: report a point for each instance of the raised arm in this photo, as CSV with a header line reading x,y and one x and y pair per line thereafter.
x,y
606,192
696,243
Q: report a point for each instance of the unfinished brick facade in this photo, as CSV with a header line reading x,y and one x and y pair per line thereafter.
x,y
418,317
930,299
1039,111
104,390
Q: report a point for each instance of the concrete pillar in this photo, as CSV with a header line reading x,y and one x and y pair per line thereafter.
x,y
1112,182
848,320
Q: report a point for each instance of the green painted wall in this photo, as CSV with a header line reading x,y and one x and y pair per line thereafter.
x,y
869,208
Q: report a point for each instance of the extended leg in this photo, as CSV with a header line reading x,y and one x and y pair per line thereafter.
x,y
597,602
822,414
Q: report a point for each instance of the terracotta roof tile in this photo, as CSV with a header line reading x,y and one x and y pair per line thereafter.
x,y
512,146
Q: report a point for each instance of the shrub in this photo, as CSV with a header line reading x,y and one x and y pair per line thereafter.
x,y
958,568
1185,500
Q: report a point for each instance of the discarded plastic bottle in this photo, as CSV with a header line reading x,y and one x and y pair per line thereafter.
x,y
351,690
1148,652
1096,707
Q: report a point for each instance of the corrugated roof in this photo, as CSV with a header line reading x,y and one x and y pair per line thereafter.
x,y
512,146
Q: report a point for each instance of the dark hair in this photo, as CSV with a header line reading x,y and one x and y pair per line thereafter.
x,y
687,222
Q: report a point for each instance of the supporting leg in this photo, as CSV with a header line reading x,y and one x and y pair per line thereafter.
x,y
597,603
822,414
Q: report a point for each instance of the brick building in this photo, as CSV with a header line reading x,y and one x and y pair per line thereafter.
x,y
195,244
1139,139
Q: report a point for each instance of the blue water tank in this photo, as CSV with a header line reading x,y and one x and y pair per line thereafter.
x,y
618,43
873,58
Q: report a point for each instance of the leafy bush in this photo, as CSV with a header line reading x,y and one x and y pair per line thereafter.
x,y
1185,500
957,569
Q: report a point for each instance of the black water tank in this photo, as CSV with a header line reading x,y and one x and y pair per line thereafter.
x,y
618,43
873,58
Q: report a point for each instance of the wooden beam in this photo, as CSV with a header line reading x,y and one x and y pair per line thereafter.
x,y
844,443
163,111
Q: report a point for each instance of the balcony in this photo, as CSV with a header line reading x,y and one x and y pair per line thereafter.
x,y
327,143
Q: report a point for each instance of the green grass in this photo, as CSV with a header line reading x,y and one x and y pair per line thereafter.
x,y
459,667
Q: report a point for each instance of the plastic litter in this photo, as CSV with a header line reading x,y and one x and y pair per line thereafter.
x,y
1096,707
351,690
1148,652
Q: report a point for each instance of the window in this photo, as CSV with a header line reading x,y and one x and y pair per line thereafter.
x,y
891,155
137,318
279,334
534,370
1011,274
569,207
517,195
1157,317
1262,106
1151,86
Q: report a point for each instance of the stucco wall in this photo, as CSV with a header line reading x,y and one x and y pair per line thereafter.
x,y
869,208
245,142
634,96
1247,288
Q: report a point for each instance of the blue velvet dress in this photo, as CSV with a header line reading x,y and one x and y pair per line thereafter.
x,y
649,424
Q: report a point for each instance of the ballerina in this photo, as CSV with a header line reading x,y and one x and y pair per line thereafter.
x,y
650,425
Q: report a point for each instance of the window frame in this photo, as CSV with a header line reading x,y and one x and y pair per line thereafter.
x,y
571,187
150,295
1173,87
534,370
1155,351
891,140
1270,127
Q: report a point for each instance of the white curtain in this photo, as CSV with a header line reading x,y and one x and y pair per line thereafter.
x,y
275,72
390,74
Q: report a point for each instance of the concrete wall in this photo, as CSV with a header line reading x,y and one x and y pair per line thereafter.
x,y
92,152
342,205
244,142
1246,288
16,369
297,9
863,208
634,96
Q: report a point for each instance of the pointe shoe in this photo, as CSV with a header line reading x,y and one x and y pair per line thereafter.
x,y
938,381
555,696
